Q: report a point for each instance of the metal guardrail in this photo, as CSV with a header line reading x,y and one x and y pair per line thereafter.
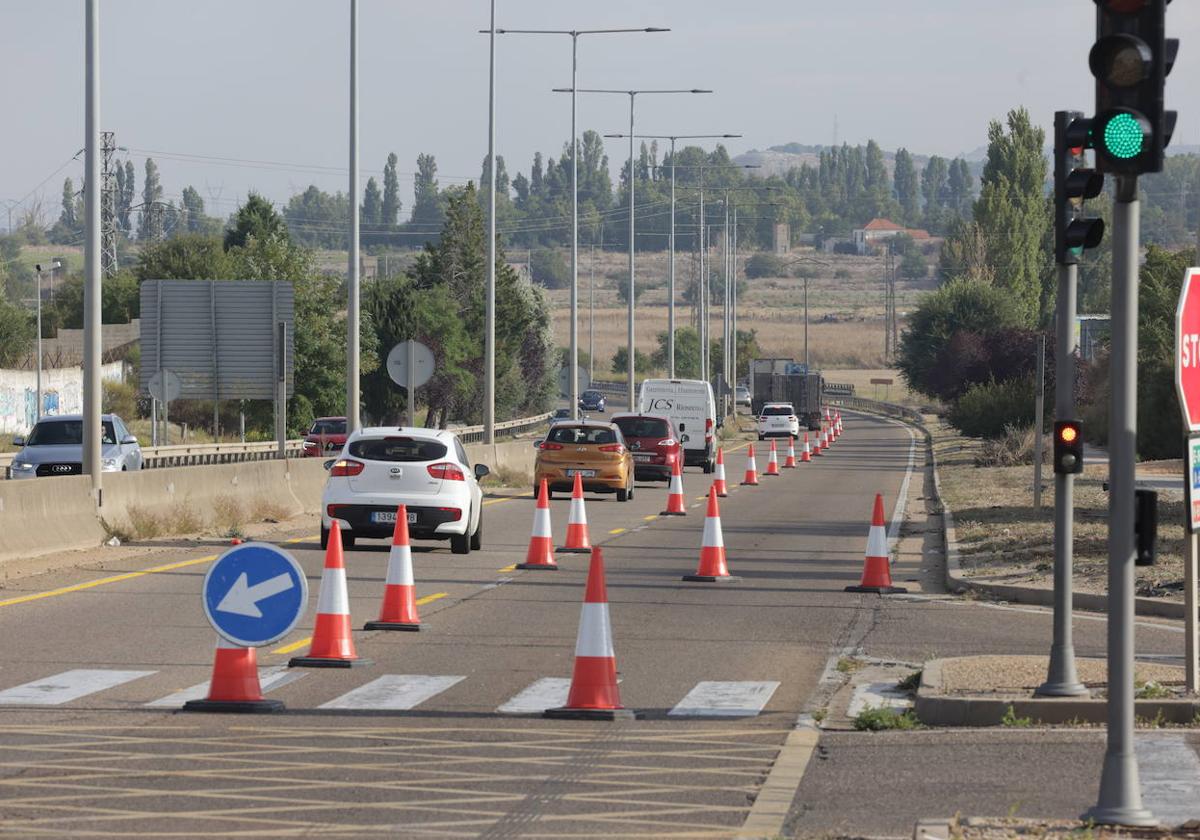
x,y
608,387
876,407
835,389
198,454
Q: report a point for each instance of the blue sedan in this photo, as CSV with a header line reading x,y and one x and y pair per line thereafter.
x,y
591,401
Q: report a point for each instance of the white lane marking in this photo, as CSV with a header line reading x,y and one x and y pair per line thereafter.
x,y
67,686
275,676
902,495
725,699
393,692
546,693
877,696
1170,776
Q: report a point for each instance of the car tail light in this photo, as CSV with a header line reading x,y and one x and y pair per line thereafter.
x,y
794,418
612,447
346,467
332,511
547,445
447,471
456,511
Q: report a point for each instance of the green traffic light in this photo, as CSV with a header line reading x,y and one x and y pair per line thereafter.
x,y
1123,136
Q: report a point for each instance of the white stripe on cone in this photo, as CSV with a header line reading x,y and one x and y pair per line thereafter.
x,y
720,473
333,599
713,538
595,632
541,522
877,542
399,570
578,515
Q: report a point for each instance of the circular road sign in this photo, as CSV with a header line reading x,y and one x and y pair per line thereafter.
x,y
564,380
254,594
1187,349
174,386
397,364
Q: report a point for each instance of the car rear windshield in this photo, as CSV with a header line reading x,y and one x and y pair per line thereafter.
x,y
778,411
397,449
592,395
66,433
581,434
643,427
328,427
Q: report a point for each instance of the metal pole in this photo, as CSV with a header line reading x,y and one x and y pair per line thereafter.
x,y
1061,677
1120,798
574,364
671,276
725,309
1039,423
806,363
489,330
592,314
91,287
1191,657
411,378
352,286
703,240
38,412
629,337
733,348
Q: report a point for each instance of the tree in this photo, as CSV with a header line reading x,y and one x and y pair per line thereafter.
x,y
256,218
372,206
964,254
641,362
765,264
17,333
126,189
67,230
935,191
907,187
318,219
687,354
960,185
193,209
188,256
427,209
913,266
390,210
549,268
150,225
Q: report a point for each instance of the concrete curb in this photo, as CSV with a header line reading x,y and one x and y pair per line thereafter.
x,y
934,708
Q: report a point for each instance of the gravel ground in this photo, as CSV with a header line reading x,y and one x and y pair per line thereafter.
x,y
1022,674
998,828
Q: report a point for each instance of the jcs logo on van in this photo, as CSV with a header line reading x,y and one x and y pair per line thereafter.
x,y
662,404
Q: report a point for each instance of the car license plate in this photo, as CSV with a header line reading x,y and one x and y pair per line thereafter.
x,y
388,517
643,458
581,473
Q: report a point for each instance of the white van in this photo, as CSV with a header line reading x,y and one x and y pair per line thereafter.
x,y
690,406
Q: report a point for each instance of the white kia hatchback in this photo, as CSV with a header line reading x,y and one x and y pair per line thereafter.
x,y
778,420
426,469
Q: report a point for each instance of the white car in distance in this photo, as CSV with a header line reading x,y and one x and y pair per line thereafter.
x,y
778,420
425,469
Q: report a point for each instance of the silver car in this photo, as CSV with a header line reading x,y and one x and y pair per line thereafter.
x,y
55,447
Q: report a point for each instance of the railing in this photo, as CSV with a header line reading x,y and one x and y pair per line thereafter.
x,y
194,454
608,387
835,389
876,407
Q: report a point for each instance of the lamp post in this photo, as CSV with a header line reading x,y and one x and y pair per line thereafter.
x,y
671,240
573,364
353,292
91,253
632,94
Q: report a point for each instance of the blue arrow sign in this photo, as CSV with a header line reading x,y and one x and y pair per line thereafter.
x,y
255,594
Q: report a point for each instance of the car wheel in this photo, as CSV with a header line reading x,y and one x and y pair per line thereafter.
x,y
629,495
762,437
347,540
622,495
324,538
477,537
709,467
460,544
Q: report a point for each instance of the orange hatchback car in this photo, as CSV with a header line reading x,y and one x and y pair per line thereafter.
x,y
594,451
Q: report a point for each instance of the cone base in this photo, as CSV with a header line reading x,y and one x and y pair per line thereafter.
x,y
233,706
532,566
391,625
881,590
749,483
323,662
569,713
710,578
565,550
771,475
722,495
673,513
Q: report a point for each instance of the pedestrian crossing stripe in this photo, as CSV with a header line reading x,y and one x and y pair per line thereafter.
x,y
393,692
67,686
725,699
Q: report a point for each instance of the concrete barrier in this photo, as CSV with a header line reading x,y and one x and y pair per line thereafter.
x,y
49,515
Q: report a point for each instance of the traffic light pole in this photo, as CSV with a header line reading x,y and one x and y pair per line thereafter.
x,y
1062,679
1120,798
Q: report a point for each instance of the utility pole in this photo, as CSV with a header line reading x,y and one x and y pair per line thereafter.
x,y
353,303
92,275
108,210
489,328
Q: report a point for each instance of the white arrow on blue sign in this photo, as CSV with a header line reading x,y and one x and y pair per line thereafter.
x,y
254,594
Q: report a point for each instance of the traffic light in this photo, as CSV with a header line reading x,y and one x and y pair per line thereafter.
x,y
1073,183
1145,526
1130,60
1068,447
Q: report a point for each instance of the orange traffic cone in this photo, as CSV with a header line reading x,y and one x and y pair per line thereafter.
x,y
675,494
840,427
806,453
772,462
719,482
877,572
790,462
399,610
817,444
712,568
594,694
578,541
234,686
751,467
541,544
332,643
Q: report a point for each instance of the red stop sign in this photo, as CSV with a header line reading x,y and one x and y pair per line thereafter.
x,y
1187,349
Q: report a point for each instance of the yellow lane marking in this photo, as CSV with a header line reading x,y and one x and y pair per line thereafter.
x,y
701,498
507,499
293,647
511,568
429,599
79,587
651,517
617,531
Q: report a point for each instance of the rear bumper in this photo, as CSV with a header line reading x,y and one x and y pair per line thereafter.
x,y
432,522
652,472
609,481
697,457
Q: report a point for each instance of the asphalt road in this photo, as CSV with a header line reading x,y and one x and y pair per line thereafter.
x,y
343,763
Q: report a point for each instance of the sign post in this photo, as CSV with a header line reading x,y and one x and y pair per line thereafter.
x,y
411,364
1187,383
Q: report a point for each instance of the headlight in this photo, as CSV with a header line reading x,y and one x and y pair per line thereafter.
x,y
23,466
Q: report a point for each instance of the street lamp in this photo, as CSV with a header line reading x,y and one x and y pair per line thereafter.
x,y
53,267
353,291
573,363
671,245
632,94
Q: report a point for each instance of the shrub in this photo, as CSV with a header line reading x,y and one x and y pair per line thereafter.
x,y
549,268
120,398
1016,447
766,264
807,272
913,266
987,410
620,361
873,719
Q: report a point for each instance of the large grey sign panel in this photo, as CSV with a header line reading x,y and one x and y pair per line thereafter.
x,y
217,336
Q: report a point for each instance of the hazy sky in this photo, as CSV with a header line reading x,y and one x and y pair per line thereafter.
x,y
263,83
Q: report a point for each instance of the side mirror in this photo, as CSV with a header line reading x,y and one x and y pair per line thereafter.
x,y
684,438
481,470
129,440
328,465
19,440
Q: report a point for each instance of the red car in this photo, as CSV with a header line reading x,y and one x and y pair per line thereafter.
x,y
326,437
653,442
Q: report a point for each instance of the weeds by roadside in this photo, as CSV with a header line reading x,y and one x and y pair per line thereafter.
x,y
1011,719
910,683
878,719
